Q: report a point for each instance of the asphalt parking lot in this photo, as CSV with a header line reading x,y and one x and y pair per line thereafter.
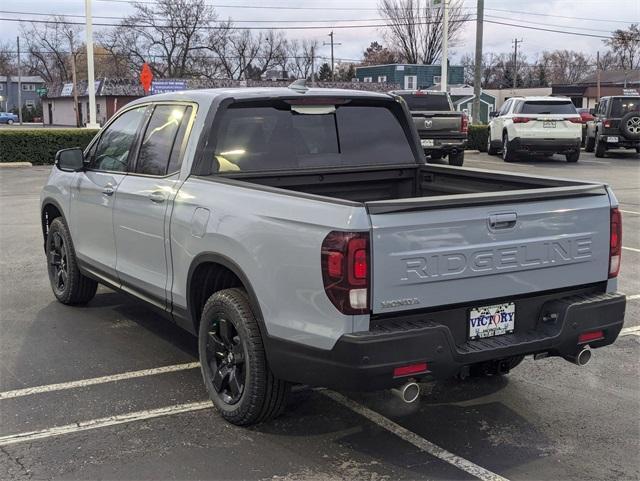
x,y
110,391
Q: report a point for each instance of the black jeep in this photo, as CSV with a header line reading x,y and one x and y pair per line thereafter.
x,y
616,125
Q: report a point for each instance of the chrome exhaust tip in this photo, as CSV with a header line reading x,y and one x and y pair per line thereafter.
x,y
581,358
408,392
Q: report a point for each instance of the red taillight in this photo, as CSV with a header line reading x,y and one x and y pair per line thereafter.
x,y
590,336
345,271
607,123
615,243
521,120
464,124
410,369
574,120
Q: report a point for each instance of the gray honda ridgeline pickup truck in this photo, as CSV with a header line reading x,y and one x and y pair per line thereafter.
x,y
301,236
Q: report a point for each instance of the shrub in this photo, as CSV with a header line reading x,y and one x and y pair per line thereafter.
x,y
39,146
477,139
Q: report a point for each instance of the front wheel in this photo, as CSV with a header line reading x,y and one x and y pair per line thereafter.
x,y
233,361
456,159
573,156
10,122
491,150
68,284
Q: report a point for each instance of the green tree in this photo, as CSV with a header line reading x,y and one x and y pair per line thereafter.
x,y
324,74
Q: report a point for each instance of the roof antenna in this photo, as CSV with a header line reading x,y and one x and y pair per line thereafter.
x,y
299,85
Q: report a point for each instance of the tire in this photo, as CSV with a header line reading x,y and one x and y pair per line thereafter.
x,y
630,126
67,283
10,121
491,150
507,155
233,362
435,155
573,156
590,144
456,159
601,148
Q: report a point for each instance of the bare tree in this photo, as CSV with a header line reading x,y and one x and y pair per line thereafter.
x,y
8,58
48,48
566,66
415,27
166,34
625,45
299,59
242,54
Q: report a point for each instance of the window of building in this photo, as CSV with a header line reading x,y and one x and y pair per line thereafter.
x,y
367,79
159,145
30,104
1,87
29,87
410,82
382,78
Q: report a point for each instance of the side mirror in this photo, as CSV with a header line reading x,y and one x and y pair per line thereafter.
x,y
493,113
70,159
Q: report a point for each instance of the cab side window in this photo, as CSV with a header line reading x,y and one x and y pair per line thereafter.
x,y
112,153
160,151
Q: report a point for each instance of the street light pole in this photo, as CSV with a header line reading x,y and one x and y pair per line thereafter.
x,y
444,64
477,74
91,81
19,83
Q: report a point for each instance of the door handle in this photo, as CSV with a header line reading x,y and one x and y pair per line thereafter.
x,y
157,197
108,190
502,221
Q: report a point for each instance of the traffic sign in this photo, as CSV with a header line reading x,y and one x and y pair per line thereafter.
x,y
146,77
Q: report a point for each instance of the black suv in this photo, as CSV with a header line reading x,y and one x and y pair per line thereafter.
x,y
617,125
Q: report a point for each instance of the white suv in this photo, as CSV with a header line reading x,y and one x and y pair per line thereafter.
x,y
545,125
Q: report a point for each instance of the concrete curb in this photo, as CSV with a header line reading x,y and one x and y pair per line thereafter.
x,y
15,165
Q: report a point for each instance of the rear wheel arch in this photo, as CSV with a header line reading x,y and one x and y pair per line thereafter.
x,y
211,272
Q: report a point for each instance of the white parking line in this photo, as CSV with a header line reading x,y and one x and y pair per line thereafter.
x,y
630,331
632,249
633,297
629,212
103,422
97,380
418,441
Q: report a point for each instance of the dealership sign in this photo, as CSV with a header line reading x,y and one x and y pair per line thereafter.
x,y
164,86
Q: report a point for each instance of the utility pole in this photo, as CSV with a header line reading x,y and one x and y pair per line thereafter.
x,y
515,61
477,74
74,79
91,81
444,64
313,71
598,76
19,83
332,62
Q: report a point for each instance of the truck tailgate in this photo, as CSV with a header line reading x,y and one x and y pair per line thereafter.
x,y
431,257
436,122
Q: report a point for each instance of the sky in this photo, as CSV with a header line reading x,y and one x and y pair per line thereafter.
x,y
596,17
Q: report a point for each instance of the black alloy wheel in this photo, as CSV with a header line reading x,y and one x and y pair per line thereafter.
x,y
58,263
226,361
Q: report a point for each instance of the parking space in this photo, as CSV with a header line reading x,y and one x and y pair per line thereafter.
x,y
118,393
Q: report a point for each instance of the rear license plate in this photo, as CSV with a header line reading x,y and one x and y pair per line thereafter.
x,y
612,139
489,321
427,142
549,124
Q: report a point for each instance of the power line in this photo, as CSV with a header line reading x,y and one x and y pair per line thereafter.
x,y
548,24
221,27
558,16
548,30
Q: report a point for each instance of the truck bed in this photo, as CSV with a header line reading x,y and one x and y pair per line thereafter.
x,y
410,187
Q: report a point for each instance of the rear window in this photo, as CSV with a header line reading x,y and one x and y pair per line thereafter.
x,y
260,138
438,103
622,106
547,107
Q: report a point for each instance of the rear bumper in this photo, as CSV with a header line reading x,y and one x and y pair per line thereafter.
x,y
621,142
545,145
365,361
444,144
